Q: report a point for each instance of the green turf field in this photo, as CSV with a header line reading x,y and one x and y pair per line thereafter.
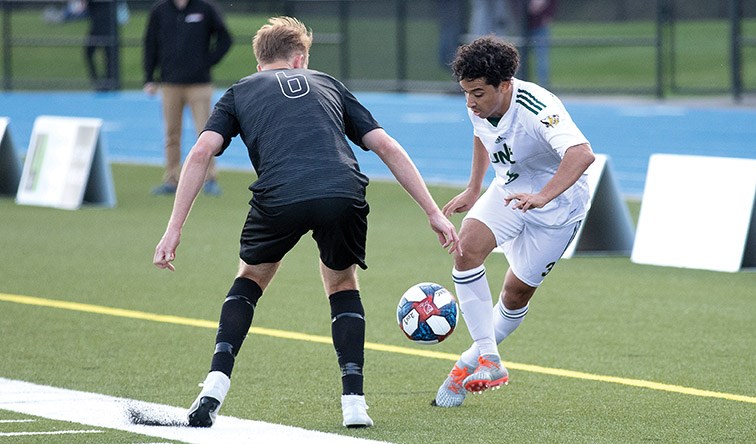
x,y
701,53
611,351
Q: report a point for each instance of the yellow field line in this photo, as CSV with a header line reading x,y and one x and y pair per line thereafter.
x,y
132,314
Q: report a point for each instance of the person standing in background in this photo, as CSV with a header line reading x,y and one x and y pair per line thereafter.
x,y
73,10
103,34
538,35
451,14
183,40
489,17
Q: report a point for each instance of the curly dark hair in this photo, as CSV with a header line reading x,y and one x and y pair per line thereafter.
x,y
487,57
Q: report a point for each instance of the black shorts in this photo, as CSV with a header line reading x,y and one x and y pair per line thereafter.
x,y
338,225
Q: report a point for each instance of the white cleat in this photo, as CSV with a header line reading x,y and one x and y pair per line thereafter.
x,y
452,393
490,374
354,409
205,408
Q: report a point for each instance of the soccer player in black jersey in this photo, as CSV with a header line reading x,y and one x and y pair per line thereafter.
x,y
295,123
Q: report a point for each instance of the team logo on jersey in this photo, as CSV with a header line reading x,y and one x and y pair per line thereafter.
x,y
551,121
503,156
294,86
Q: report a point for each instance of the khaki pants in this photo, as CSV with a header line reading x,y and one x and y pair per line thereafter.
x,y
175,98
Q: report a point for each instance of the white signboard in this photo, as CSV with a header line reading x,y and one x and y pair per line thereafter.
x,y
698,212
10,166
607,227
64,161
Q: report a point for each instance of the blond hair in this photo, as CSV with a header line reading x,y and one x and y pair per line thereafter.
x,y
280,39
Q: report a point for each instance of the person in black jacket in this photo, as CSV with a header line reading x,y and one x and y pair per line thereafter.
x,y
184,39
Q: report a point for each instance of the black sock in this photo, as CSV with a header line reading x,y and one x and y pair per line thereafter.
x,y
348,332
236,317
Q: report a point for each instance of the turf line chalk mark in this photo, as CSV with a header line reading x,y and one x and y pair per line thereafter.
x,y
57,432
111,413
132,314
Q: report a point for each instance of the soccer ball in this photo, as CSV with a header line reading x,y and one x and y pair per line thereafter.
x,y
427,313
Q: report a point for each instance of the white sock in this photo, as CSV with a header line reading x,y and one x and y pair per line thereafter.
x,y
470,356
506,320
474,297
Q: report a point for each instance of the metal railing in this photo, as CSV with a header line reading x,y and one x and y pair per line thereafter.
x,y
662,44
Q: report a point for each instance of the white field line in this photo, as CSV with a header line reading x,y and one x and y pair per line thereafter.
x,y
98,410
57,432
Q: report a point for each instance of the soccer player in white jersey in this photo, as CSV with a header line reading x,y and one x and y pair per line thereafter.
x,y
532,209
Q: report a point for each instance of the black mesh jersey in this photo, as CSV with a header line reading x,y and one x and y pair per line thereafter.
x,y
295,124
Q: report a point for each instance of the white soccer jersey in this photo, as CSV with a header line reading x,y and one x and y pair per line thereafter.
x,y
526,147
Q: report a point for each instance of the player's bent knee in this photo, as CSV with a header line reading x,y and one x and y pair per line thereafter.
x,y
261,274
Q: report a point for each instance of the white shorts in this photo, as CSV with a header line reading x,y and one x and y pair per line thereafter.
x,y
531,249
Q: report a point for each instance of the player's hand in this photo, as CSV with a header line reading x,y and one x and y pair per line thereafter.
x,y
165,251
150,88
447,234
525,201
461,202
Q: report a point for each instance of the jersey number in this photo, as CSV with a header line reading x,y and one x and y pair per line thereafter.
x,y
548,269
294,86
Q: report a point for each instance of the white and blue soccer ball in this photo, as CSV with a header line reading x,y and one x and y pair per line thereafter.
x,y
427,313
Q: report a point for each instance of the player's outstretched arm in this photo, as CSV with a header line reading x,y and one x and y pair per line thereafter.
x,y
467,198
190,183
405,171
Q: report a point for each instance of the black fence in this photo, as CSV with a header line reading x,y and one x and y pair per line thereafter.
x,y
645,47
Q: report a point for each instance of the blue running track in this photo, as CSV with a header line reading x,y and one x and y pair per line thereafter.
x,y
433,128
